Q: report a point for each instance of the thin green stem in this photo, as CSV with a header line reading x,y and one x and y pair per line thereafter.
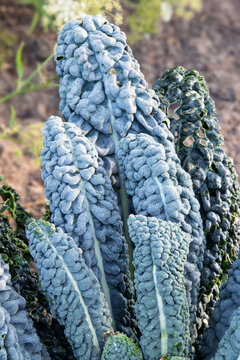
x,y
25,85
38,68
26,90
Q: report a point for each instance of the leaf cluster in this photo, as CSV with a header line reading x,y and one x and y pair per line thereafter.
x,y
15,252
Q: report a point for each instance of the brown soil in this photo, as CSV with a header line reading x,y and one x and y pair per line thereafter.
x,y
209,43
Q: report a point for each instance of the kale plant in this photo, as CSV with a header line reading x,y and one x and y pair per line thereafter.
x,y
123,193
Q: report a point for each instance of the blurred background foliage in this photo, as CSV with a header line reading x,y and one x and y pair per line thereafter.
x,y
7,40
27,139
143,18
139,17
146,14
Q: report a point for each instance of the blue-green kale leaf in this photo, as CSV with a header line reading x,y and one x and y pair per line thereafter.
x,y
18,337
74,293
161,305
84,205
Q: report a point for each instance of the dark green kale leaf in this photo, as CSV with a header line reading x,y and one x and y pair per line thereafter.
x,y
185,99
14,251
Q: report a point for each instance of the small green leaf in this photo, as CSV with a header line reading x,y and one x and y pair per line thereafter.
x,y
4,208
34,22
4,257
42,76
12,120
177,345
19,62
17,259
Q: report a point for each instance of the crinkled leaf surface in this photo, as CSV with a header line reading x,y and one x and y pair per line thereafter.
x,y
162,308
74,292
84,205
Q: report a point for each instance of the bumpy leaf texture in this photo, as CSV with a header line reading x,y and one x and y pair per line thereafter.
x,y
224,310
162,308
152,179
103,92
14,251
75,297
229,346
186,100
119,347
102,89
18,338
84,205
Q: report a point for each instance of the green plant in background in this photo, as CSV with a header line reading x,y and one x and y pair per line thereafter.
x,y
53,13
70,9
186,8
142,20
146,13
28,84
40,15
7,41
29,138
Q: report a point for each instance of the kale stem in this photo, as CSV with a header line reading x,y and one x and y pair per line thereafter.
x,y
125,212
